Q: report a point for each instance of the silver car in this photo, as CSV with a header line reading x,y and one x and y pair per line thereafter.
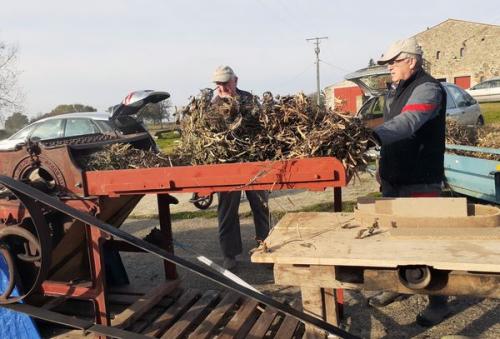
x,y
373,81
88,127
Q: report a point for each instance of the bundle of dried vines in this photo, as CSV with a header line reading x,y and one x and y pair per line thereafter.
x,y
122,156
484,136
288,127
489,136
457,134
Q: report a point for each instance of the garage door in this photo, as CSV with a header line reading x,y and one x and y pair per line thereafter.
x,y
463,82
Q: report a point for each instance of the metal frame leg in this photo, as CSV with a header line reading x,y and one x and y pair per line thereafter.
x,y
164,201
95,239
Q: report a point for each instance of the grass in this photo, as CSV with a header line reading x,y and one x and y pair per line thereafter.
x,y
491,112
168,142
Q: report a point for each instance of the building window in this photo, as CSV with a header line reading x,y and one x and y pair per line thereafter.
x,y
438,54
462,51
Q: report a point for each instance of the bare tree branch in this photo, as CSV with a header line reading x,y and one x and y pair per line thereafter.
x,y
10,93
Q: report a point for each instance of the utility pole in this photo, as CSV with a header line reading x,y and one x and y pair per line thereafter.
x,y
317,50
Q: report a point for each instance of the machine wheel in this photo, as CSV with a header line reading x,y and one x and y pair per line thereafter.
x,y
25,244
480,121
202,202
9,261
415,277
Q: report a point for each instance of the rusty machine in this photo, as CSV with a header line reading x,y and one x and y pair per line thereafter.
x,y
56,220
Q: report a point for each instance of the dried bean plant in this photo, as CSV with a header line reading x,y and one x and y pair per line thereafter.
x,y
484,136
274,129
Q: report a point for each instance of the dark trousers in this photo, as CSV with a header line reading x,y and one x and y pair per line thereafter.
x,y
229,221
405,191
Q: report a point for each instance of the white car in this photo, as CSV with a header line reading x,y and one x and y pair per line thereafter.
x,y
486,91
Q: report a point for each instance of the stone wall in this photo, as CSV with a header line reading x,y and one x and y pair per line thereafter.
x,y
464,48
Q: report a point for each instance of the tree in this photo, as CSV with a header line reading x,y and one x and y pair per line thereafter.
x,y
371,63
150,112
156,113
16,121
165,108
10,94
63,109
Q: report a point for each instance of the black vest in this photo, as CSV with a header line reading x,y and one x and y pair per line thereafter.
x,y
419,158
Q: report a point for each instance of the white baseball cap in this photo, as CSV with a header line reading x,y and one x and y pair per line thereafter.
x,y
223,74
409,45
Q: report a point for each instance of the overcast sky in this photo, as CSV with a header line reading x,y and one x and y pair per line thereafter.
x,y
95,52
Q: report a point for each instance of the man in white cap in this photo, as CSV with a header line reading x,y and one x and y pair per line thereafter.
x,y
229,202
412,141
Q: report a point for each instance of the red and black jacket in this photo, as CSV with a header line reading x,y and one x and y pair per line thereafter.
x,y
413,134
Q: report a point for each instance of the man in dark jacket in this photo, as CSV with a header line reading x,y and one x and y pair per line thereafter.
x,y
229,202
412,141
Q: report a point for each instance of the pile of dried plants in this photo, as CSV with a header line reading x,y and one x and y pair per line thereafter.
x,y
287,127
122,156
485,136
276,129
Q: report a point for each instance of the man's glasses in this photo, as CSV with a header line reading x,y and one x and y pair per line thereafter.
x,y
396,61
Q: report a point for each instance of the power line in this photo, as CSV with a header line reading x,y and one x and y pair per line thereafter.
x,y
317,50
334,66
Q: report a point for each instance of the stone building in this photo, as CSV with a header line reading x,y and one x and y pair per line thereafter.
x,y
461,52
456,51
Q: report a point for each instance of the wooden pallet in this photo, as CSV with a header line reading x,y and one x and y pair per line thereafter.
x,y
170,311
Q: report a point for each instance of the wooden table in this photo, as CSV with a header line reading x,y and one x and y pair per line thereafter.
x,y
321,252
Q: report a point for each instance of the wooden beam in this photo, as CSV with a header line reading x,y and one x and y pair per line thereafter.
x,y
310,276
458,283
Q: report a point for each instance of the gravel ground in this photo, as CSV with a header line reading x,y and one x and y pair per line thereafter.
x,y
474,317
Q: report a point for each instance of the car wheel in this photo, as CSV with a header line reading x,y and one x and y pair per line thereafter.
x,y
480,121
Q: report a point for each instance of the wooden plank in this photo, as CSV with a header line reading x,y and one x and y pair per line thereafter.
x,y
312,276
143,304
423,207
261,326
214,319
197,312
245,315
328,243
458,283
288,326
386,221
139,325
446,233
313,304
331,308
163,322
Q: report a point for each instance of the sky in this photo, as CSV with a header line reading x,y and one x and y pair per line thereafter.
x,y
95,52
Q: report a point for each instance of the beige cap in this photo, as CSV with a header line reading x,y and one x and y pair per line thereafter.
x,y
401,46
223,74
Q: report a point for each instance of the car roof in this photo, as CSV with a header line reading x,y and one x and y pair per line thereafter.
x,y
91,115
